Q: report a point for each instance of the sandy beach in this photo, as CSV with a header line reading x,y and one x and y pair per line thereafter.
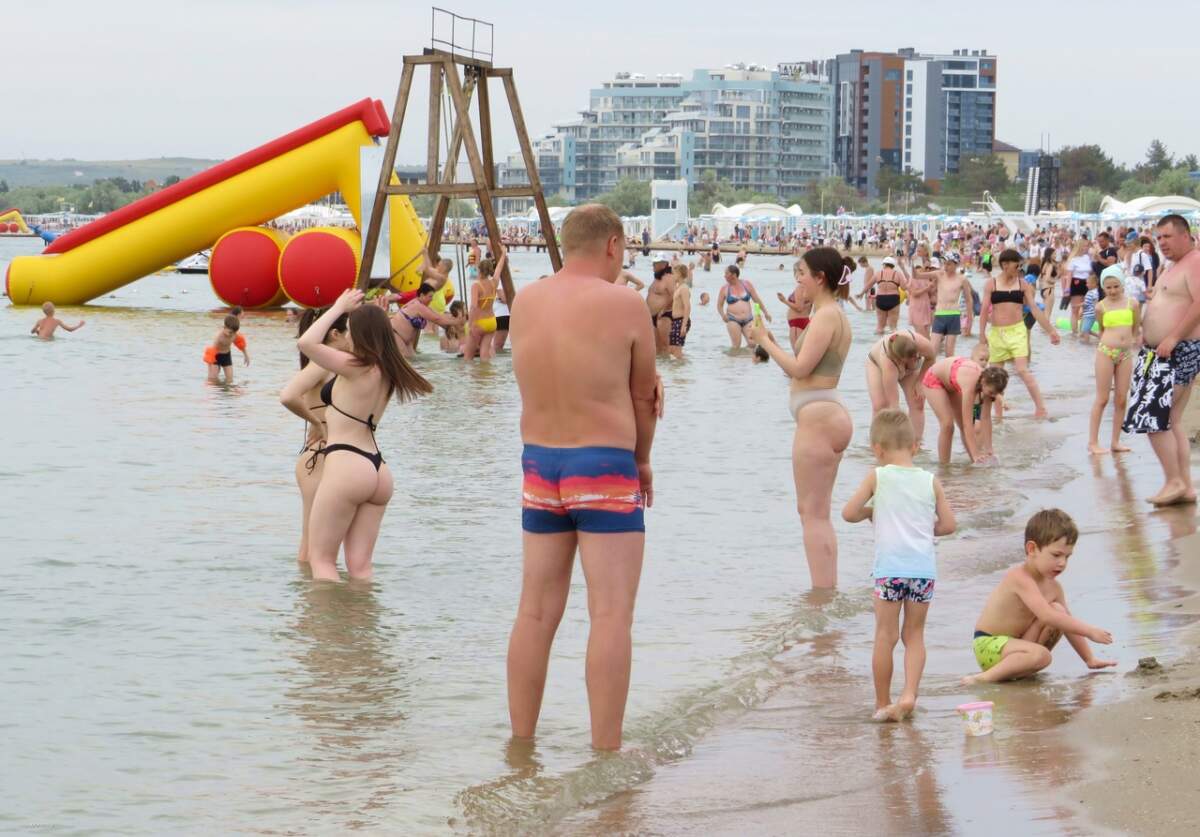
x,y
1145,748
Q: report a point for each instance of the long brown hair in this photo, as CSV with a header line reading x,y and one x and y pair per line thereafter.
x,y
310,316
828,262
374,344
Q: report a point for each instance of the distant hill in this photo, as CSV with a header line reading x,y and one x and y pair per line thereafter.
x,y
68,172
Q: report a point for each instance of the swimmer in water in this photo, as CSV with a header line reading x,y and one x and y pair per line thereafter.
x,y
302,396
452,335
413,316
44,328
823,425
704,298
799,312
481,329
219,357
356,483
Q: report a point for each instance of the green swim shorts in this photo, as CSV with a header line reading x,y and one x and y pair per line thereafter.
x,y
988,649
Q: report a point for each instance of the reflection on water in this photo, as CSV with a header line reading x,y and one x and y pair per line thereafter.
x,y
351,692
207,682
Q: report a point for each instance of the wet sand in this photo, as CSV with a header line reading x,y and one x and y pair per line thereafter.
x,y
1146,747
808,753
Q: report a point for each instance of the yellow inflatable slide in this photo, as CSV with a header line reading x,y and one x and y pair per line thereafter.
x,y
251,189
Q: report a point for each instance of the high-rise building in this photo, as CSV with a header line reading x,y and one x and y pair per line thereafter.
x,y
912,112
769,130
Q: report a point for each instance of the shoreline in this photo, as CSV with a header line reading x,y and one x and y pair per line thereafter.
x,y
1143,748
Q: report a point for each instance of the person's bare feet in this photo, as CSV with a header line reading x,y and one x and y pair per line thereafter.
x,y
1170,494
1096,450
881,714
1041,414
971,680
1120,448
904,707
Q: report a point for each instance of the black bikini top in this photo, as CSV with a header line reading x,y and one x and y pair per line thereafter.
x,y
327,398
1017,296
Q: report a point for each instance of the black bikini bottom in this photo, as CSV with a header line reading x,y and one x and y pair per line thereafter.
x,y
375,459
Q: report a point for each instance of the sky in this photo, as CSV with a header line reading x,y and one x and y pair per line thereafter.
x,y
164,78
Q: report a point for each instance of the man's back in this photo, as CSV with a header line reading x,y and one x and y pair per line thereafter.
x,y
573,340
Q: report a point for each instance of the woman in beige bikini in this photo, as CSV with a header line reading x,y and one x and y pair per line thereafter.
x,y
823,426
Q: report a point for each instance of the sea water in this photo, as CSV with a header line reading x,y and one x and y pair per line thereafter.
x,y
168,667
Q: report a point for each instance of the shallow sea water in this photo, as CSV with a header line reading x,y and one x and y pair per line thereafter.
x,y
168,667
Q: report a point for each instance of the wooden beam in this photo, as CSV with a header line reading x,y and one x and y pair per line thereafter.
x,y
485,134
499,72
433,56
375,223
435,117
457,189
535,181
442,207
477,170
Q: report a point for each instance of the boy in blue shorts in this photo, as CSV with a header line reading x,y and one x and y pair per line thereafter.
x,y
909,509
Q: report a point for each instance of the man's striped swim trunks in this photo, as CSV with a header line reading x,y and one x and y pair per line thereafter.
x,y
580,489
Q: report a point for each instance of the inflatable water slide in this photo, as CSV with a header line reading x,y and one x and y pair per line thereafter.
x,y
223,208
12,222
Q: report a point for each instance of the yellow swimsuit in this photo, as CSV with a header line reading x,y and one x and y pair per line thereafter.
x,y
1111,319
486,324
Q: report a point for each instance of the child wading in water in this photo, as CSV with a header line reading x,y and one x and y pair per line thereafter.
x,y
219,356
1026,615
45,327
1119,321
909,509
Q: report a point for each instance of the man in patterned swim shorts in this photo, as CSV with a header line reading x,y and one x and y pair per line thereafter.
x,y
1168,364
584,359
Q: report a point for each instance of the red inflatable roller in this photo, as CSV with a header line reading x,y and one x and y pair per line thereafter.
x,y
244,267
13,228
318,264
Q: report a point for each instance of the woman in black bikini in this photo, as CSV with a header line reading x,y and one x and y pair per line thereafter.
x,y
887,283
302,396
356,483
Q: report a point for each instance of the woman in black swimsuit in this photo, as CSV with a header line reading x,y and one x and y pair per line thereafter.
x,y
887,284
356,484
302,396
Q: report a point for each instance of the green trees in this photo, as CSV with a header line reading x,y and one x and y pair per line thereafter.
x,y
1087,165
628,197
3,186
977,174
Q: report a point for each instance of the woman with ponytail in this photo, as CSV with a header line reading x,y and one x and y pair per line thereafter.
x,y
823,427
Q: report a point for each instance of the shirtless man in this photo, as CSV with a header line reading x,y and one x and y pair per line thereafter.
x,y
681,309
1171,331
45,327
583,356
658,300
947,317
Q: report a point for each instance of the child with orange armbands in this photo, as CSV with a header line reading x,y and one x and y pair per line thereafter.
x,y
219,356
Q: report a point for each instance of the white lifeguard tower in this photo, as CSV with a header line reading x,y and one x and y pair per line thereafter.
x,y
668,208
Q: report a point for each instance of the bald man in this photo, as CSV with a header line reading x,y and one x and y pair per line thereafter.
x,y
584,358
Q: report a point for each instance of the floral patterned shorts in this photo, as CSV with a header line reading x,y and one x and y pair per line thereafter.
x,y
918,590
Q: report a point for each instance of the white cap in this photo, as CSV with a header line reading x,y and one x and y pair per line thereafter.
x,y
889,262
661,257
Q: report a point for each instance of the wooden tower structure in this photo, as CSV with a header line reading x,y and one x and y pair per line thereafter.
x,y
444,57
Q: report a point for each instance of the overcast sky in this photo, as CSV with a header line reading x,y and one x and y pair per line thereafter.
x,y
150,78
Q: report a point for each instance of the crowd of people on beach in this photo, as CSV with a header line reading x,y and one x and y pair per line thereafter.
x,y
585,344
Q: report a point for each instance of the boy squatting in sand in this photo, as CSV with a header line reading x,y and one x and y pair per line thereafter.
x,y
219,356
44,328
1027,614
909,509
